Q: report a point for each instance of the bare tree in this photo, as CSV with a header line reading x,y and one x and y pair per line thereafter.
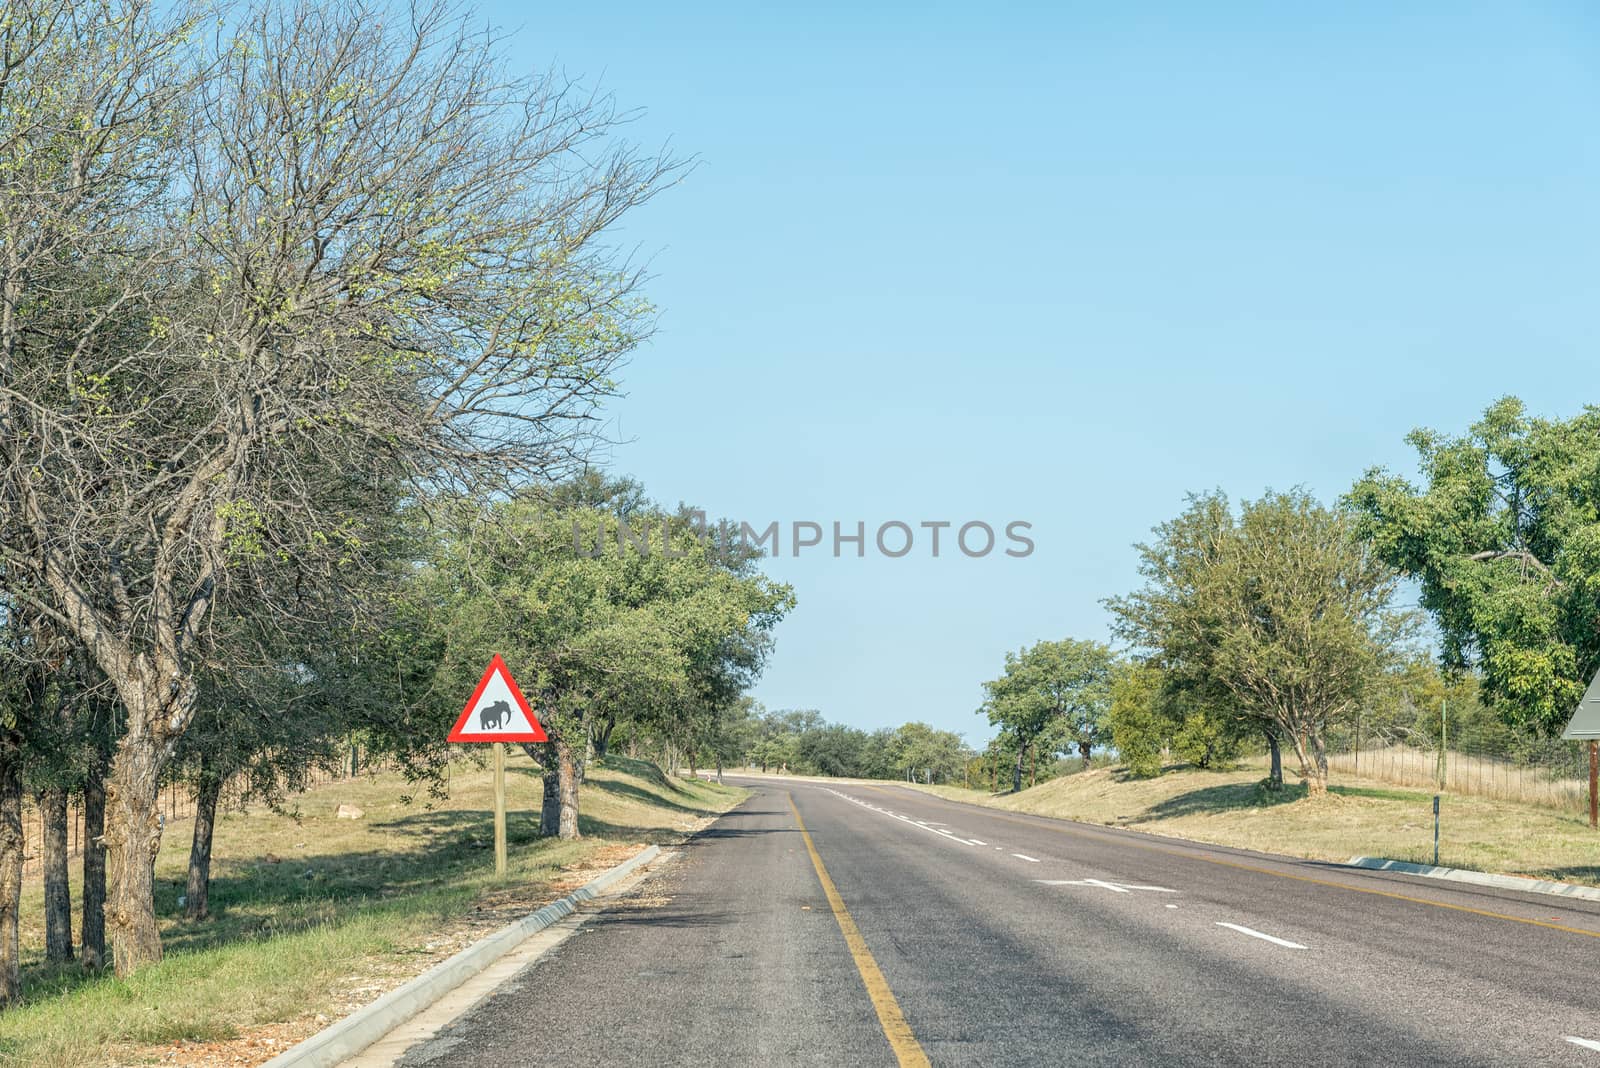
x,y
376,258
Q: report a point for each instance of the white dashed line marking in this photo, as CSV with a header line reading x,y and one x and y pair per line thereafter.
x,y
1586,1043
1285,943
1024,856
903,819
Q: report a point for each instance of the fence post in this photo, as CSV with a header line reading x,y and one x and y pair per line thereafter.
x,y
1594,775
1444,740
1435,830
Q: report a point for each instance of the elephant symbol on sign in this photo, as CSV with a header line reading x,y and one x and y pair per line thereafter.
x,y
490,717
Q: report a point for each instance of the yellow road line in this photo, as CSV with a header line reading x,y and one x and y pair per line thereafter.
x,y
895,1029
1185,854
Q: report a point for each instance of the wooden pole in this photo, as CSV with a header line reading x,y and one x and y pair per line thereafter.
x,y
1444,741
1594,780
500,809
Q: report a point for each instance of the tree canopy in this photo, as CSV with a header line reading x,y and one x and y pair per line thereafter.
x,y
596,628
1503,536
1052,694
260,285
1282,609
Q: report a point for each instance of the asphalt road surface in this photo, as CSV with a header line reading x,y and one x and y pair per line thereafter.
x,y
898,927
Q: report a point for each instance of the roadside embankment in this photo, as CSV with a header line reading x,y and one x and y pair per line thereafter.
x,y
1359,818
315,916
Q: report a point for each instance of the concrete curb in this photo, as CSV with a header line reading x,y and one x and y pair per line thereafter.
x,y
1479,878
349,1036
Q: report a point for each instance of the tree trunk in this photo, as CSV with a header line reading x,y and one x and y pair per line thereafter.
x,y
1319,763
719,769
1275,776
1314,770
588,753
94,867
567,789
133,836
197,897
1016,775
550,805
11,848
602,741
1084,749
57,893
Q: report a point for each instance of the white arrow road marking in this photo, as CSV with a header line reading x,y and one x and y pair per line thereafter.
x,y
1285,943
1586,1043
1024,856
1115,888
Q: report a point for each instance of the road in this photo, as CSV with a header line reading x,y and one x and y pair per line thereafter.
x,y
868,924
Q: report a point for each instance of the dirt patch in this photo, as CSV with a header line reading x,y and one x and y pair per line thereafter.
x,y
256,1046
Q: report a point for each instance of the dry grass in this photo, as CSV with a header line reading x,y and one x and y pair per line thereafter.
x,y
315,916
1361,817
1469,776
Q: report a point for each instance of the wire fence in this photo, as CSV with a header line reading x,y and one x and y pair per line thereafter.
x,y
1558,779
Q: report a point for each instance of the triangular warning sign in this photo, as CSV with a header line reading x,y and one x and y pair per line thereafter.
x,y
1585,722
497,711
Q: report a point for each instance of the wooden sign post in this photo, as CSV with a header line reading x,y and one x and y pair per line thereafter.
x,y
498,713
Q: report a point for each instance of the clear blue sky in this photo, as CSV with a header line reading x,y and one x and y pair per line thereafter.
x,y
1066,263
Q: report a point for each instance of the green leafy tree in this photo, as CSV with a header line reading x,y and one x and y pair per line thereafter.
x,y
834,749
1061,687
1503,536
1150,714
923,753
734,733
1281,612
1138,728
595,632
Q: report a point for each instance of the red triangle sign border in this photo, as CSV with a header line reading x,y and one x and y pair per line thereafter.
x,y
497,665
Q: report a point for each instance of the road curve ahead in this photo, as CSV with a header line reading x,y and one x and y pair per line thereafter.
x,y
866,924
